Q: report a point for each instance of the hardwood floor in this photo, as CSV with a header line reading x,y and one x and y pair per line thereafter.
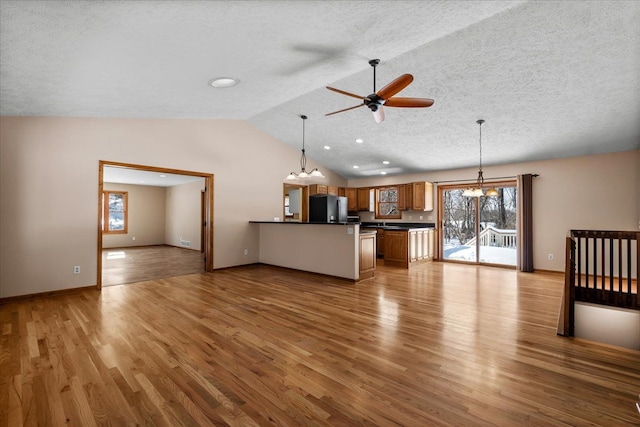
x,y
440,344
129,265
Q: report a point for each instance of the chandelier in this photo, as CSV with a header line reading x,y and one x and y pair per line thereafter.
x,y
477,191
315,173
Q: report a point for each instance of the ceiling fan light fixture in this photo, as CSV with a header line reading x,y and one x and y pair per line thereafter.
x,y
303,174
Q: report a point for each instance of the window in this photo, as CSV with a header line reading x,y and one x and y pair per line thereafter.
x,y
114,219
387,203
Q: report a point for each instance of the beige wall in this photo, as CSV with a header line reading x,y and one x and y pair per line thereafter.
x,y
183,207
598,192
49,188
145,215
319,248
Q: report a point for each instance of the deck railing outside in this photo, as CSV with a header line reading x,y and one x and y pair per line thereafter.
x,y
492,236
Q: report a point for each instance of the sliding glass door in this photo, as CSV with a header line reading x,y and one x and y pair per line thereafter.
x,y
458,225
479,229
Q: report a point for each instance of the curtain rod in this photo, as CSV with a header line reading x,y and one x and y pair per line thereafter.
x,y
535,175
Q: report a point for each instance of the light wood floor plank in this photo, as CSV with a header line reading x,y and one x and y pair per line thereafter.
x,y
437,345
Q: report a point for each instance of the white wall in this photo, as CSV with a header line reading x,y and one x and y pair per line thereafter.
x,y
599,192
183,207
610,325
49,188
145,217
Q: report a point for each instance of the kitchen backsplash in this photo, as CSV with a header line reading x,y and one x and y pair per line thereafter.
x,y
407,216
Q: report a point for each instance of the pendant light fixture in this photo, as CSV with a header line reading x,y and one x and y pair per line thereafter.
x,y
477,191
315,173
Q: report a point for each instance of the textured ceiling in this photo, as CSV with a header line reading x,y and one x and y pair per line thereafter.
x,y
551,79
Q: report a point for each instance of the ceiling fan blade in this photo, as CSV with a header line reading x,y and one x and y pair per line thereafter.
x,y
408,102
353,95
346,109
378,115
395,86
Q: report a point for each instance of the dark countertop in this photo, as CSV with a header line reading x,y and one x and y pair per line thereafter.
x,y
304,223
397,225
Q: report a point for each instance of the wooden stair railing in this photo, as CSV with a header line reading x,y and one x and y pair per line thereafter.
x,y
599,269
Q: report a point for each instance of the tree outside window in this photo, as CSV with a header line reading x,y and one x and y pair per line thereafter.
x,y
115,212
387,203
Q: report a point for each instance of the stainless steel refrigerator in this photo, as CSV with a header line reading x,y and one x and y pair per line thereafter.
x,y
327,208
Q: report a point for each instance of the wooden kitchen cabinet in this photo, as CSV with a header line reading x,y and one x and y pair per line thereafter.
x,y
332,190
318,189
352,199
380,237
363,199
422,193
342,192
367,256
421,246
396,248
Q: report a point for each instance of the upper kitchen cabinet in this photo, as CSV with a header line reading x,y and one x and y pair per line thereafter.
x,y
364,199
333,191
422,196
318,189
405,197
352,199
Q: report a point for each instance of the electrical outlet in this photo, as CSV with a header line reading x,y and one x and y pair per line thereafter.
x,y
349,230
550,257
246,251
76,269
421,217
133,238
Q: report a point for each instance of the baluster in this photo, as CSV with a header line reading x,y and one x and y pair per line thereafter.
x,y
611,264
602,270
620,264
629,265
595,261
586,262
579,258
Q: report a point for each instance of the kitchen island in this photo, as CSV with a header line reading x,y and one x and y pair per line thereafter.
x,y
404,245
339,250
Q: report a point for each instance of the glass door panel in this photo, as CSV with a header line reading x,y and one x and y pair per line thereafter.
x,y
497,235
458,225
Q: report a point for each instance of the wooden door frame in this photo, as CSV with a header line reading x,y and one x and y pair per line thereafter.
x,y
208,208
304,215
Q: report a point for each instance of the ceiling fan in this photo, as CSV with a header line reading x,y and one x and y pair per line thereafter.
x,y
384,96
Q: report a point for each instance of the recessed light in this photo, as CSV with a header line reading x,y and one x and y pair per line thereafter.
x,y
359,141
383,173
223,82
326,147
385,162
355,166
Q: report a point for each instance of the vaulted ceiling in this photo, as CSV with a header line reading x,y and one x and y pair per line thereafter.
x,y
552,79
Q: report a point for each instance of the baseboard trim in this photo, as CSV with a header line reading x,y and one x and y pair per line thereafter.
x,y
539,270
48,294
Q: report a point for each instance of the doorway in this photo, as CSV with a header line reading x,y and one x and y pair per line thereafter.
x,y
206,207
479,230
295,202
